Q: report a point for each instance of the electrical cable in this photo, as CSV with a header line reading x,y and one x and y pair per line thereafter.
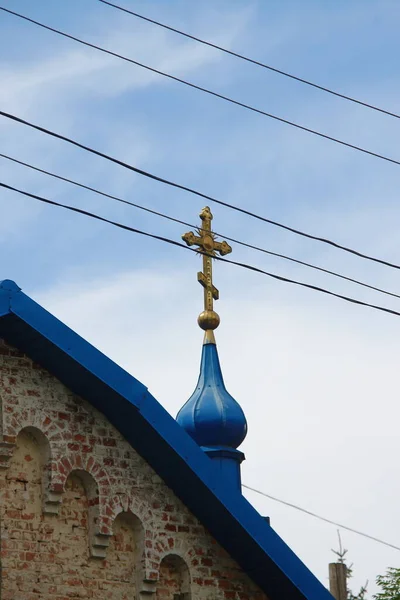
x,y
175,220
167,240
175,243
249,60
202,89
195,192
308,512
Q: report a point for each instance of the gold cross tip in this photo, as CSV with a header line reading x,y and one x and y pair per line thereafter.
x,y
208,246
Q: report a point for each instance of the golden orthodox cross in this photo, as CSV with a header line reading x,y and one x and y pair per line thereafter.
x,y
208,247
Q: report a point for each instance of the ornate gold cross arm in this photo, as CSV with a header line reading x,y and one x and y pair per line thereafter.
x,y
205,239
221,247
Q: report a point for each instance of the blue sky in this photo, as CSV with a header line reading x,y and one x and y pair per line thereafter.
x,y
317,378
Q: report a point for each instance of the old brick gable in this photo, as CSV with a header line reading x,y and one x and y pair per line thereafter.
x,y
83,515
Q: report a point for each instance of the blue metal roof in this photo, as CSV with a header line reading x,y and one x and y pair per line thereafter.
x,y
162,442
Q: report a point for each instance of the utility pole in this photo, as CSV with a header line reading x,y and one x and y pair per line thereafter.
x,y
338,580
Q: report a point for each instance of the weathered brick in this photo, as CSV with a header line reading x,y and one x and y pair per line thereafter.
x,y
99,485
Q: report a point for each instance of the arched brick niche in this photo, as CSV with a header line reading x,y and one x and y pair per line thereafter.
x,y
123,568
78,515
23,529
28,473
174,579
73,524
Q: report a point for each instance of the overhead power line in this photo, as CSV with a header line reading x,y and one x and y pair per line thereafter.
x,y
175,220
195,192
312,514
178,244
202,89
250,60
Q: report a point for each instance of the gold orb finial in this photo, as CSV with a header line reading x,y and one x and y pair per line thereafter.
x,y
208,320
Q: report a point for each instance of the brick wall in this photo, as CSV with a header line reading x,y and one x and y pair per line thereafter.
x,y
83,515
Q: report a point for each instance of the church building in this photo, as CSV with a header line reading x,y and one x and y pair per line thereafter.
x,y
104,495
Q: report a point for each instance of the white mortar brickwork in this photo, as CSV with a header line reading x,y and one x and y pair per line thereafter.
x,y
83,515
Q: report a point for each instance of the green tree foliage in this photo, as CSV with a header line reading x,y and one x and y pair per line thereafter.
x,y
389,584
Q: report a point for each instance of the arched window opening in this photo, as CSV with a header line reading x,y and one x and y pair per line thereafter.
x,y
174,579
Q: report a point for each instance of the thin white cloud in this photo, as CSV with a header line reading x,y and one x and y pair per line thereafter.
x,y
84,71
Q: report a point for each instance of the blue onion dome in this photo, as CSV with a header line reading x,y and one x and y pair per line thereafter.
x,y
211,416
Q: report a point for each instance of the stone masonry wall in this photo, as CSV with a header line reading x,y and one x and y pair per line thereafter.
x,y
83,515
